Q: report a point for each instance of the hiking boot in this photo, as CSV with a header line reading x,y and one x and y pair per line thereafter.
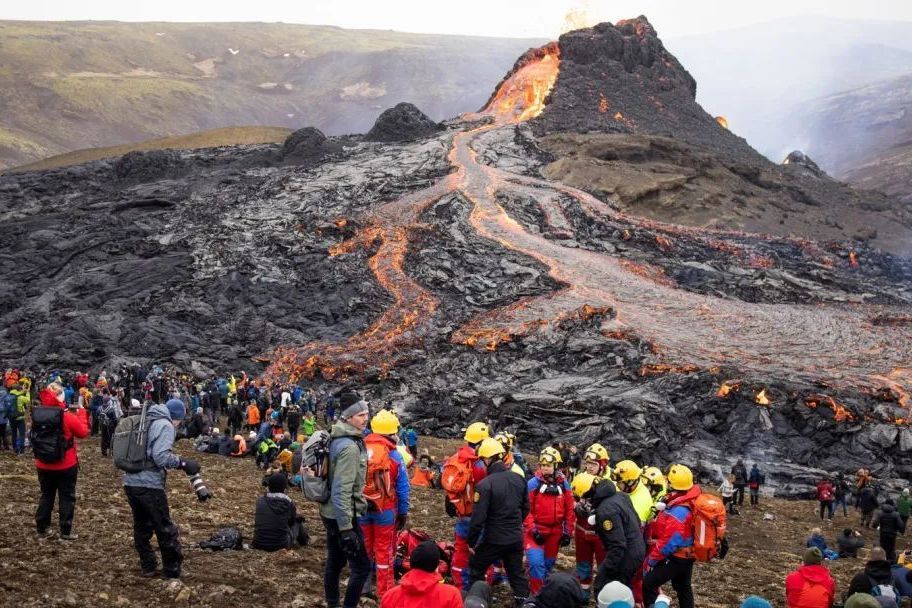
x,y
68,536
44,533
149,573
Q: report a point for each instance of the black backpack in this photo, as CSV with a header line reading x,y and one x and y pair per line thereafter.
x,y
46,434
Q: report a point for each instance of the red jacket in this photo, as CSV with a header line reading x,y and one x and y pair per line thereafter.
x,y
420,589
810,587
671,533
825,491
550,504
72,427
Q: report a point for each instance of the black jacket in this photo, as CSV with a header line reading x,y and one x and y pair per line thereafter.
x,y
275,514
618,527
293,417
561,591
235,416
740,473
876,572
889,521
501,505
849,545
867,500
224,445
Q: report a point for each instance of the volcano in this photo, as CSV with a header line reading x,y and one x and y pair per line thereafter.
x,y
498,268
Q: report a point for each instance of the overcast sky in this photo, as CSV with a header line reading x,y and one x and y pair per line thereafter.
x,y
520,18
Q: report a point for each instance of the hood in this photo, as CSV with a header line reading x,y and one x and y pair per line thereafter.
x,y
561,590
879,570
604,489
158,412
279,503
380,439
885,508
817,573
344,429
419,582
49,398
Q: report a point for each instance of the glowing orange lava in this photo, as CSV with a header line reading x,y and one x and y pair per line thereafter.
x,y
723,122
761,398
522,96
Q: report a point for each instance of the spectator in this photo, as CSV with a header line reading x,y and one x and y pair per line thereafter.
x,y
816,540
904,505
849,542
754,481
890,524
615,595
277,524
740,481
810,586
826,495
753,601
902,580
867,504
841,491
876,572
727,491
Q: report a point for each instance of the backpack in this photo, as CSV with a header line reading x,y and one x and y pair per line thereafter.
x,y
378,485
315,467
884,590
224,538
826,493
708,527
130,442
46,434
456,479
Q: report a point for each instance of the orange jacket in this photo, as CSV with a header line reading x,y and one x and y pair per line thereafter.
x,y
253,414
422,478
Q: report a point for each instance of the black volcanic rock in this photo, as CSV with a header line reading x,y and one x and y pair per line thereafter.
x,y
404,122
307,146
797,158
146,165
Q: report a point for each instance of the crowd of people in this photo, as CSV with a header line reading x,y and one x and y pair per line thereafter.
x,y
635,530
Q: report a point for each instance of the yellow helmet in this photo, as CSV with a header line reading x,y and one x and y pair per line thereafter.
x,y
553,453
385,422
627,470
583,483
596,452
680,478
505,440
490,448
654,475
477,432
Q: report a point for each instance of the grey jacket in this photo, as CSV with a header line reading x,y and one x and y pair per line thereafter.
x,y
159,447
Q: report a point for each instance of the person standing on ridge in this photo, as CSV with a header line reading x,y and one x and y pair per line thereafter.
x,y
754,480
740,473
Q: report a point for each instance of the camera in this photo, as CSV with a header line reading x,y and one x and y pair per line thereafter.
x,y
202,492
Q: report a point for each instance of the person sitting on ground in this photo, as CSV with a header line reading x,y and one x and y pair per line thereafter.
x,y
616,595
266,452
424,472
238,446
810,586
422,585
285,441
277,524
562,590
816,539
862,600
479,596
902,579
875,574
849,542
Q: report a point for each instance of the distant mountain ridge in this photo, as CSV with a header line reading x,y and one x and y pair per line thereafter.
x,y
68,86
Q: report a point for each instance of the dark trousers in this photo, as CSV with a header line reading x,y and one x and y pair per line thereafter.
x,y
827,507
151,515
17,434
53,484
755,496
842,500
336,561
94,424
607,574
4,444
511,556
738,496
679,572
293,431
107,433
888,543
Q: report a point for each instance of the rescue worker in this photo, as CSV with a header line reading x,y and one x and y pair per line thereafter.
x,y
589,548
509,460
496,526
596,461
550,520
618,527
387,491
657,485
671,541
462,509
628,476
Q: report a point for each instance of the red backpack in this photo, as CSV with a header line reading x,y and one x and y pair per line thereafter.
x,y
709,526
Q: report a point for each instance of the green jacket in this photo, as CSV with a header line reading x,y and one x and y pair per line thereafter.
x,y
22,402
904,505
308,426
347,470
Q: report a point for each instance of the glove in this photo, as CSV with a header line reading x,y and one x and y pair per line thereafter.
x,y
190,467
660,506
565,539
538,537
351,545
723,549
401,521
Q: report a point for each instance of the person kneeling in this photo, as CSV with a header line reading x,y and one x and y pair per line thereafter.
x,y
422,586
277,524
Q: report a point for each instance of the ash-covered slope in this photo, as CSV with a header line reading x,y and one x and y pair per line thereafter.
x,y
449,275
620,80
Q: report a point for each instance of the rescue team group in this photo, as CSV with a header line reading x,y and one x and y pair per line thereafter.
x,y
638,530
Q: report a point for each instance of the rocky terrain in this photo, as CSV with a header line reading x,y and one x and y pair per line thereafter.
x,y
72,85
444,269
101,569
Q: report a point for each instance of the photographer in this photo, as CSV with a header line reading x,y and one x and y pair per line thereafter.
x,y
146,492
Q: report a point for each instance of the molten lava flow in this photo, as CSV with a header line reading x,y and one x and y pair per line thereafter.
x,y
728,387
723,122
853,259
522,96
761,398
840,412
603,104
658,369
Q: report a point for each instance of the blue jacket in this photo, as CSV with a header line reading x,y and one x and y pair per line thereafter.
x,y
265,432
159,447
4,406
901,580
403,485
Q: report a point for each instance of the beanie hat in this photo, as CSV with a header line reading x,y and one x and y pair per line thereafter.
x,y
905,491
425,556
277,483
752,601
861,600
348,397
176,409
354,409
813,556
615,595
